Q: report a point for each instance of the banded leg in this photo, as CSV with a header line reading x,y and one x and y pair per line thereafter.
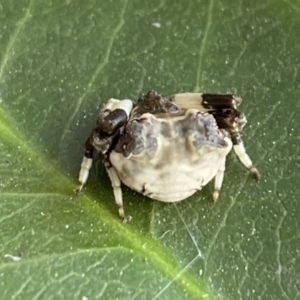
x,y
224,109
241,153
111,119
206,102
228,117
86,165
114,115
219,180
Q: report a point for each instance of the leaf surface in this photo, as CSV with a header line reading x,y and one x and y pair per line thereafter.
x,y
59,62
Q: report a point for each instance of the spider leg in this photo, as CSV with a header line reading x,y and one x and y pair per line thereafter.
x,y
110,121
86,165
241,153
206,102
219,180
116,185
233,121
228,117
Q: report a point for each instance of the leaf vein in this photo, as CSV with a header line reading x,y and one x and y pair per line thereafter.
x,y
175,278
203,45
96,72
297,9
14,37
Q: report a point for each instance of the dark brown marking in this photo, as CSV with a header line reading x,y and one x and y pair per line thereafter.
x,y
112,121
216,101
154,103
88,148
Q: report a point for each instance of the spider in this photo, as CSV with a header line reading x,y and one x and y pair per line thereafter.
x,y
166,148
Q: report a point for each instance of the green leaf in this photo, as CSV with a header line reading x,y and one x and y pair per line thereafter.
x,y
59,62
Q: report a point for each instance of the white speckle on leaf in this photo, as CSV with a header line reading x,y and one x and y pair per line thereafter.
x,y
67,226
156,24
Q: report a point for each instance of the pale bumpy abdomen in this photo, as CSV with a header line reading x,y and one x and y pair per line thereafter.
x,y
169,159
167,182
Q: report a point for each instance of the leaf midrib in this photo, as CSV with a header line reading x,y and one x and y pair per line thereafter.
x,y
161,258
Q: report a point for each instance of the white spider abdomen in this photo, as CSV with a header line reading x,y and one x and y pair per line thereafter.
x,y
173,158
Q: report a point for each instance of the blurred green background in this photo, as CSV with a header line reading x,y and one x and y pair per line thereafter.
x,y
59,62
